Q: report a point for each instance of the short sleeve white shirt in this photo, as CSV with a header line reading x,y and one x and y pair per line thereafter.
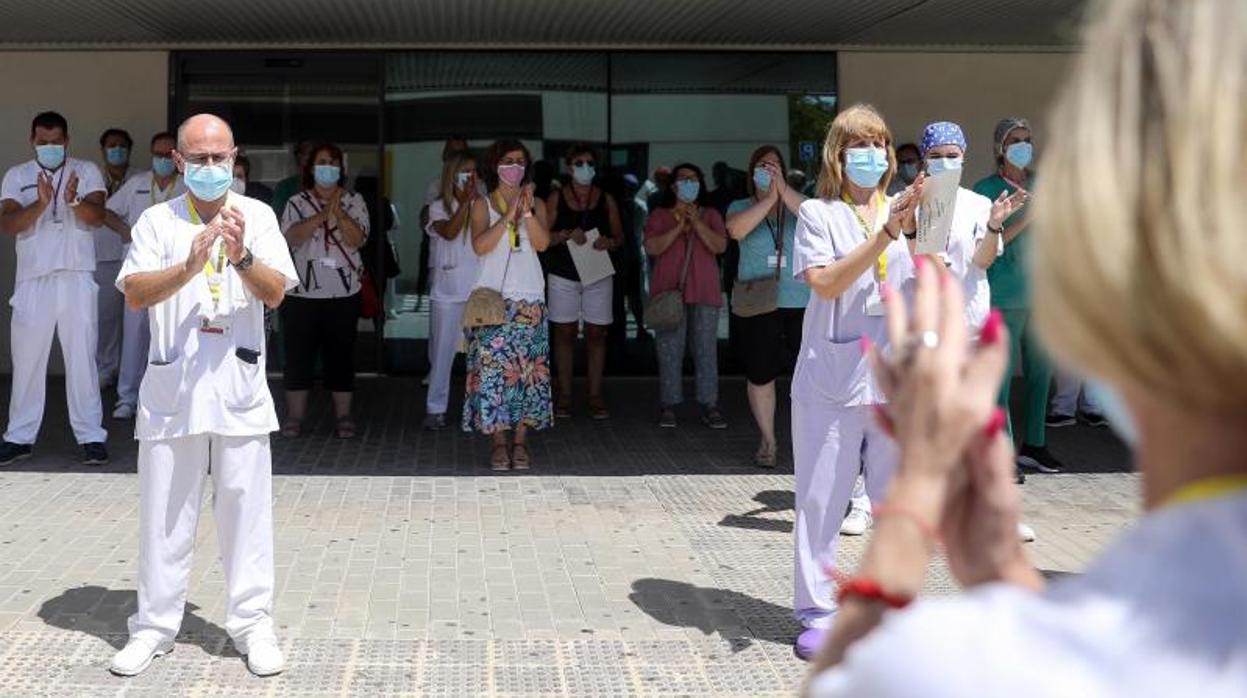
x,y
454,262
327,266
140,193
56,241
199,382
1159,614
831,368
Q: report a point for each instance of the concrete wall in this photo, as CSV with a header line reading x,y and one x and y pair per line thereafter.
x,y
972,89
94,90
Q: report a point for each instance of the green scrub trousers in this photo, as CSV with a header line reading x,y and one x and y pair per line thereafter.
x,y
1036,377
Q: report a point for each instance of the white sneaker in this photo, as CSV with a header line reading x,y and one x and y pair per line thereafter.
x,y
124,410
1026,533
264,657
137,655
856,523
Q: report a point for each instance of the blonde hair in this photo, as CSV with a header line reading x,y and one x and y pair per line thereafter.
x,y
1139,252
857,122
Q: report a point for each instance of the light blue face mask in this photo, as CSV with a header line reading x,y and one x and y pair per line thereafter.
x,y
762,178
462,179
938,165
326,175
1115,410
865,166
1020,155
687,190
584,174
50,157
209,182
163,167
117,155
908,172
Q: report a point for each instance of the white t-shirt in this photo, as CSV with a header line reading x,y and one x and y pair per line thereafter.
x,y
139,193
524,280
454,262
57,241
831,368
969,227
327,266
196,382
1161,613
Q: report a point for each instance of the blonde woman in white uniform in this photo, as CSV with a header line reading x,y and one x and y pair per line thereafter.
x,y
850,250
454,265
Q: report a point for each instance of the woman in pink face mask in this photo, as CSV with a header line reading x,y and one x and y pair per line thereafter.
x,y
508,384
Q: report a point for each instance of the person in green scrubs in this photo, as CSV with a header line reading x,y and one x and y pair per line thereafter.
x,y
291,185
1014,154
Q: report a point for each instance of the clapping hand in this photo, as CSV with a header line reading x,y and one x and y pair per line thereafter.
x,y
903,213
1005,206
46,192
233,230
201,248
71,188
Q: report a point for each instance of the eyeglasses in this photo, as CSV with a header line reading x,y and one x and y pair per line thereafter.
x,y
203,159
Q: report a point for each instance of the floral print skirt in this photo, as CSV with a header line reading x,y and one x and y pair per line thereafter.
x,y
508,382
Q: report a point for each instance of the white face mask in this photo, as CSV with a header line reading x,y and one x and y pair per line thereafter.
x,y
238,186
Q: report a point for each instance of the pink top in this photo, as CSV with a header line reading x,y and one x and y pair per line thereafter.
x,y
702,285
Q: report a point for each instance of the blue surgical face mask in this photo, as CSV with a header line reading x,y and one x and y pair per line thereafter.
x,y
1020,155
117,155
326,175
584,174
209,182
50,157
1115,410
762,178
865,166
908,172
687,190
163,167
462,179
938,165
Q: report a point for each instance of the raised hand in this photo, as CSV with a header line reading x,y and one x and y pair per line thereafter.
x,y
71,188
1006,205
46,192
201,248
233,230
903,213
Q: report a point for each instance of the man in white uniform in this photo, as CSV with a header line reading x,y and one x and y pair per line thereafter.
x,y
52,204
205,265
140,192
110,249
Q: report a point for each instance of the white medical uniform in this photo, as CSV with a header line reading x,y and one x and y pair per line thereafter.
x,y
135,196
56,294
454,265
110,249
203,407
833,432
969,227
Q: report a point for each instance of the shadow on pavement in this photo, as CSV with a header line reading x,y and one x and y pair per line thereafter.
x,y
735,617
773,502
102,613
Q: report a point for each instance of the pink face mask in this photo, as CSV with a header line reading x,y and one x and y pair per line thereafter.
x,y
512,175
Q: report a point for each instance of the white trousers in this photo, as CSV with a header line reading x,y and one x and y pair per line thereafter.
x,y
1069,389
829,446
135,341
112,304
60,304
445,331
171,483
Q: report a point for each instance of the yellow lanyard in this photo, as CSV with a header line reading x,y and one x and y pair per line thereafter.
x,y
512,230
881,267
1207,488
212,275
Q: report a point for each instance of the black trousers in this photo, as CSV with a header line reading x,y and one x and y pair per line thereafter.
x,y
323,328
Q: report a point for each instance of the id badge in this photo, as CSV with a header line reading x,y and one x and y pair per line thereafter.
x,y
218,325
775,262
874,303
329,263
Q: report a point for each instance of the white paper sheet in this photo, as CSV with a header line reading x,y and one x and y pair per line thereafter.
x,y
592,264
935,211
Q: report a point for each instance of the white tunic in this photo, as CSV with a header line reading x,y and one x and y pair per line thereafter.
x,y
521,279
196,382
454,262
1159,614
831,368
50,245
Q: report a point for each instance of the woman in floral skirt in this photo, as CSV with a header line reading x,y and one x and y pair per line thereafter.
x,y
508,384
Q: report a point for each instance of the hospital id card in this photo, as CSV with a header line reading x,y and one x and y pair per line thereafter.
x,y
874,303
775,262
217,325
329,263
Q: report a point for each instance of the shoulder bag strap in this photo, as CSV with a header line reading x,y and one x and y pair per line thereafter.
x,y
779,242
688,257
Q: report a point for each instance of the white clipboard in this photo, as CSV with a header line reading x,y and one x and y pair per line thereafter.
x,y
592,264
935,213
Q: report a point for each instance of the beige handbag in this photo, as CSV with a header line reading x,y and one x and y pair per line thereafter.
x,y
761,296
665,311
486,306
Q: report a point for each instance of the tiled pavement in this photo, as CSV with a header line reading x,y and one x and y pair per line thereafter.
x,y
632,561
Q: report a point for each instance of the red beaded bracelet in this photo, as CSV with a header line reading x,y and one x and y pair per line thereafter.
x,y
869,589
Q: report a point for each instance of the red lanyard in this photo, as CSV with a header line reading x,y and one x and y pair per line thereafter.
x,y
311,198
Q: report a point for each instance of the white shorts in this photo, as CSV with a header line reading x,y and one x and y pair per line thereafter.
x,y
570,301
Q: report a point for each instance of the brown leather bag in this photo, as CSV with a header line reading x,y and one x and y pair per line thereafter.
x,y
761,296
665,311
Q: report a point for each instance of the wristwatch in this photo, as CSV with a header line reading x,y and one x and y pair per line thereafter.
x,y
245,263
